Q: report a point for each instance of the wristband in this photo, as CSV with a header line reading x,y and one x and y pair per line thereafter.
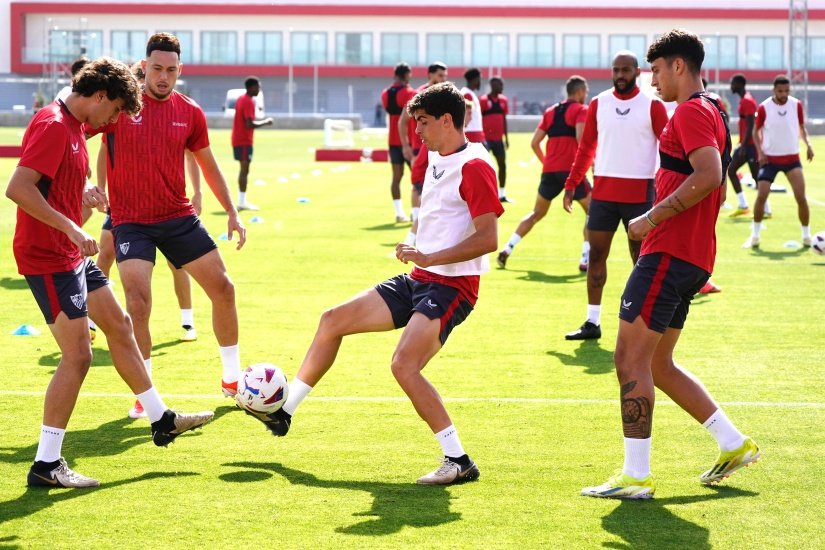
x,y
649,221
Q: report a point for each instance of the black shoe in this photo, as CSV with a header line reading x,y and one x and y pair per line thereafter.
x,y
588,331
501,259
505,199
172,424
277,422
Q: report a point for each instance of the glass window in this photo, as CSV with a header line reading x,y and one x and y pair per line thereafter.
x,y
128,46
633,42
720,52
764,52
187,46
219,47
263,48
491,50
816,53
581,50
353,48
309,48
68,45
398,47
536,50
448,48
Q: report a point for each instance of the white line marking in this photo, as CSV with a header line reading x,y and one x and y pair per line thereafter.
x,y
516,400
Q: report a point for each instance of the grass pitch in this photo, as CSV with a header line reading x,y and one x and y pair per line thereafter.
x,y
537,413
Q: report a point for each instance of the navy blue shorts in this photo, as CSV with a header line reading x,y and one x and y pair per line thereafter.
x,y
418,187
660,289
404,296
749,152
243,152
552,184
397,155
606,215
496,147
66,291
181,240
769,171
107,223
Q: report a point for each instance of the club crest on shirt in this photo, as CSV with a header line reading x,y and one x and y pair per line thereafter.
x,y
782,113
622,113
137,119
75,147
77,300
124,248
437,175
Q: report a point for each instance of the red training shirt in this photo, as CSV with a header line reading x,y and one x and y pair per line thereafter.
x,y
747,107
244,109
419,166
403,94
494,111
560,151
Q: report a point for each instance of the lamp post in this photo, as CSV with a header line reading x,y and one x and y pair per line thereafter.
x,y
290,84
315,39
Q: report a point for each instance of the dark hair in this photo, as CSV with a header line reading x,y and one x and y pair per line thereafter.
x,y
251,81
780,80
438,100
704,82
114,78
436,66
402,69
739,78
164,42
678,43
575,83
79,63
472,73
137,70
496,79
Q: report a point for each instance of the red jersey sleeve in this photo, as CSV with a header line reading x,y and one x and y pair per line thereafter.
x,y
800,112
249,109
199,138
747,107
384,98
478,188
43,152
581,115
760,116
547,120
587,148
505,105
658,117
695,127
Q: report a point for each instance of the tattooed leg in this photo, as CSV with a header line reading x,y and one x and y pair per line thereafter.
x,y
637,413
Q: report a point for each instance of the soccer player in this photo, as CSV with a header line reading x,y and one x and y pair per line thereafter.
x,y
745,152
780,121
494,111
457,228
562,125
150,210
243,132
678,248
410,142
475,128
52,253
78,64
621,132
394,99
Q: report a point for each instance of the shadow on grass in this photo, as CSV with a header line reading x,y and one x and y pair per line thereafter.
x,y
649,524
394,506
778,255
14,284
590,355
542,277
100,358
36,499
386,227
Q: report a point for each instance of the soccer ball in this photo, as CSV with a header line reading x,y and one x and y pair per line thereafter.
x,y
818,243
262,388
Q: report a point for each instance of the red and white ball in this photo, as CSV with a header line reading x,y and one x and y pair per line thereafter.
x,y
262,388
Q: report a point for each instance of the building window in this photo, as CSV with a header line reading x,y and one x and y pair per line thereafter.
x,y
536,50
816,53
128,46
491,50
187,46
398,47
764,52
448,48
219,47
632,42
68,45
309,48
720,52
263,48
581,50
353,48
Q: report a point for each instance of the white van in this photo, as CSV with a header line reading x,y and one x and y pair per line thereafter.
x,y
232,98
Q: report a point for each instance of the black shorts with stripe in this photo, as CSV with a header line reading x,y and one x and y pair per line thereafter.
x,y
242,152
404,296
606,215
552,184
66,291
181,240
660,289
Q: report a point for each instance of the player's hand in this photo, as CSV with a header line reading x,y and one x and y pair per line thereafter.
x,y
197,202
269,121
234,224
85,242
506,143
810,154
95,197
406,253
638,228
407,151
761,159
568,200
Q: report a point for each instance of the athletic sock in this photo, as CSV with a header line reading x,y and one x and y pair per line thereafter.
x,y
241,197
501,194
298,390
515,238
756,228
147,363
586,250
806,231
231,359
594,314
399,209
450,444
152,403
51,442
414,212
767,208
92,325
742,202
726,434
187,318
636,457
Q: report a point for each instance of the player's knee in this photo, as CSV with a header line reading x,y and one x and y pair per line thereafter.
x,y
79,360
402,369
331,323
139,305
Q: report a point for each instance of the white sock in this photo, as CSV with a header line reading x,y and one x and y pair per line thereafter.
x,y
298,390
501,194
756,228
399,209
515,238
51,441
637,457
586,247
152,403
594,314
726,434
414,211
806,231
241,197
767,208
148,364
742,202
450,444
231,359
92,325
409,240
187,318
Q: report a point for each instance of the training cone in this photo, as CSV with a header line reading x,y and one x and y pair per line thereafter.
x,y
223,237
25,330
256,219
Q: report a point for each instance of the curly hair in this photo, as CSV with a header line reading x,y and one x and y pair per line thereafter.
x,y
114,78
439,99
678,43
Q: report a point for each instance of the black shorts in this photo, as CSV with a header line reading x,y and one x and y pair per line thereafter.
x,y
750,157
606,215
243,152
107,223
418,187
181,240
66,291
496,147
404,296
660,289
769,171
552,184
397,155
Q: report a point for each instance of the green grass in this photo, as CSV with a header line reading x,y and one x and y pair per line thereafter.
x,y
537,413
